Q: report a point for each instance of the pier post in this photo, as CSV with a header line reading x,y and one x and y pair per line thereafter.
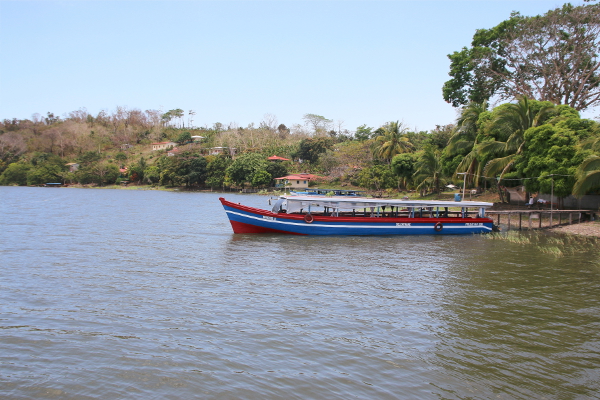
x,y
508,229
529,220
520,221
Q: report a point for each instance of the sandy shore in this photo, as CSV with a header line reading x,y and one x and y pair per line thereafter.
x,y
583,229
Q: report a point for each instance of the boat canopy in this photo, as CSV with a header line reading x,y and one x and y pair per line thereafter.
x,y
297,203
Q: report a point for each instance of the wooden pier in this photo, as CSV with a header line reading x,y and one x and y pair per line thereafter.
x,y
539,219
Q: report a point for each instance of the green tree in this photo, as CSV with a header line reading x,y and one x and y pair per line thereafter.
x,y
261,178
15,174
553,57
377,177
588,176
429,170
309,149
192,170
152,175
392,141
136,170
184,137
363,133
121,157
403,166
511,121
215,177
465,140
245,166
550,156
588,172
276,169
48,172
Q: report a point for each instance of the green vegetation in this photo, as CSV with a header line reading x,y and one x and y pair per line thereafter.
x,y
536,138
554,245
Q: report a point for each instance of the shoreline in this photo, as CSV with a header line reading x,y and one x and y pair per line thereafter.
x,y
587,229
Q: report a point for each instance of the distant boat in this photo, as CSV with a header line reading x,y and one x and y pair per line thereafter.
x,y
343,215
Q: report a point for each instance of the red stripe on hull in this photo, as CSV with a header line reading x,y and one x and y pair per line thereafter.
x,y
240,227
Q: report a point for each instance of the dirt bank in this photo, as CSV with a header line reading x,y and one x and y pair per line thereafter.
x,y
591,228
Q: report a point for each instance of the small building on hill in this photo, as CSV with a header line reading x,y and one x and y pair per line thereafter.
x,y
72,166
215,151
296,181
163,145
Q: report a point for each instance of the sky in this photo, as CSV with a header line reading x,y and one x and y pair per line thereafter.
x,y
234,62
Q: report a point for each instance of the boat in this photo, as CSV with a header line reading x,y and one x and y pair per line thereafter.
x,y
343,215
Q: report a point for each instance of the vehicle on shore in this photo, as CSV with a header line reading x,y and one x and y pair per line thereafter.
x,y
343,215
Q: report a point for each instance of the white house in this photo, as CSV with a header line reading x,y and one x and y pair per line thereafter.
x,y
163,145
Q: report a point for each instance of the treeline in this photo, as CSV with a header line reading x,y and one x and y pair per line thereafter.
x,y
538,144
109,148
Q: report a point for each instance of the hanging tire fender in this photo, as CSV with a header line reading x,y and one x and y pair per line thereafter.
x,y
308,218
438,227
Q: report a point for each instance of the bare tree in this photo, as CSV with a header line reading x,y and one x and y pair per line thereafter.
x,y
319,124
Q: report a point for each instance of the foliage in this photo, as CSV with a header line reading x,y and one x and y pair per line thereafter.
x,y
392,141
184,137
553,57
47,168
464,142
215,171
550,155
261,178
429,170
191,169
245,166
319,124
136,170
403,166
588,176
363,133
15,174
276,169
510,123
377,177
152,175
309,149
121,157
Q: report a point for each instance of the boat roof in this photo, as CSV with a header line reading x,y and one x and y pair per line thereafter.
x,y
345,202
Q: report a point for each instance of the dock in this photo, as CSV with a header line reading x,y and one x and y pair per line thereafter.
x,y
539,219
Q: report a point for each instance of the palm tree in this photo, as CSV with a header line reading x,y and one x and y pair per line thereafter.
x,y
393,141
428,172
511,122
465,138
588,173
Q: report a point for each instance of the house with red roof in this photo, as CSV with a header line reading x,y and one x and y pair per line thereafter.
x,y
297,181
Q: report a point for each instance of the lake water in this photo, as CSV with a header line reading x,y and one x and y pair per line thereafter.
x,y
149,295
